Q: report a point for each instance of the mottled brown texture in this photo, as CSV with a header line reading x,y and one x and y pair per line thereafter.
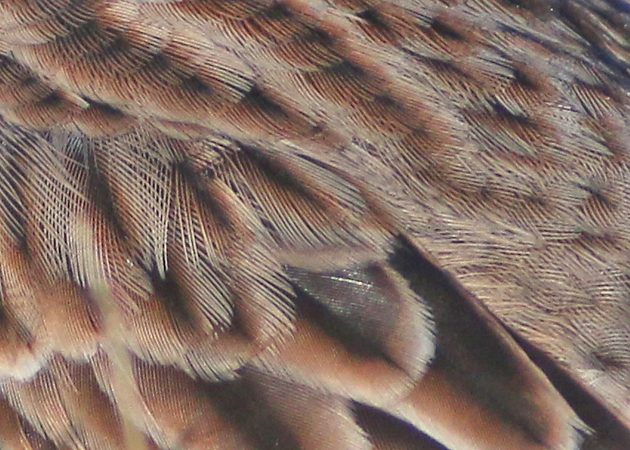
x,y
309,224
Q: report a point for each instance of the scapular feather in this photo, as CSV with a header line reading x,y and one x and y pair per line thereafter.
x,y
322,224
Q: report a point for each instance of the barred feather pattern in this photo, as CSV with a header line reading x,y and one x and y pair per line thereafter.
x,y
315,224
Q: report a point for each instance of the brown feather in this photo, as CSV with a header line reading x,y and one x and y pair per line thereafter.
x,y
320,224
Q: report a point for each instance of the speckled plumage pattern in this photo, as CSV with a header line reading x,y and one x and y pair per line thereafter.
x,y
309,224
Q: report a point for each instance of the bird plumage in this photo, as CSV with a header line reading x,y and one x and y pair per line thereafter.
x,y
337,224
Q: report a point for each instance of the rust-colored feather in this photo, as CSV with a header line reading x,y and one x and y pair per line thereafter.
x,y
315,224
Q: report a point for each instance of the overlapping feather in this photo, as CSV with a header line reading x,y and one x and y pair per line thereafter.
x,y
314,224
